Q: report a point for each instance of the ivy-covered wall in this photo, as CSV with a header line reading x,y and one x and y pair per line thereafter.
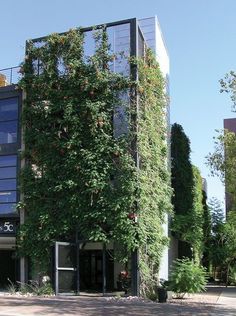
x,y
78,176
154,177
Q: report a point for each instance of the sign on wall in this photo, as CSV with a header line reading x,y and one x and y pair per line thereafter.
x,y
7,227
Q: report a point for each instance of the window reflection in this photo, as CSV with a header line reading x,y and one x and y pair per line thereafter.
x,y
6,173
8,120
119,41
8,196
89,44
6,161
120,116
8,193
8,132
7,208
8,184
8,109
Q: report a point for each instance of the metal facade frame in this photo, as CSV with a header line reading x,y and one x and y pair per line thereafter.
x,y
57,268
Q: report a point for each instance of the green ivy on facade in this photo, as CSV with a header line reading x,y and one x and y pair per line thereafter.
x,y
78,177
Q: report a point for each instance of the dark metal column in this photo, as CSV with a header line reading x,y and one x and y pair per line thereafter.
x,y
135,273
104,280
77,269
135,276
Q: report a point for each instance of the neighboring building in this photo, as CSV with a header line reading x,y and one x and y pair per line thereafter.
x,y
230,125
130,37
10,143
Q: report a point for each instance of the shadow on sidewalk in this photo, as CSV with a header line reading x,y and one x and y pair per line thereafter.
x,y
100,306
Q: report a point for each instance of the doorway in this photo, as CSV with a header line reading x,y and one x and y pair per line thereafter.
x,y
7,267
96,266
85,266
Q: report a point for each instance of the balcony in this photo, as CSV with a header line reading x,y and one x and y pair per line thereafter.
x,y
9,76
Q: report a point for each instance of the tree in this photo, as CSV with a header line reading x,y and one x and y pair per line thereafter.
x,y
216,212
228,85
222,163
230,243
223,239
227,165
216,253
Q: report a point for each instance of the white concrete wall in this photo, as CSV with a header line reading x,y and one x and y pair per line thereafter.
x,y
154,39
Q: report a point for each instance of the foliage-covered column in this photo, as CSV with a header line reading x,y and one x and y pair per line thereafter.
x,y
187,200
196,234
153,177
182,184
181,170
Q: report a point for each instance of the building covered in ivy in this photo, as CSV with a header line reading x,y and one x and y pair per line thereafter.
x,y
84,181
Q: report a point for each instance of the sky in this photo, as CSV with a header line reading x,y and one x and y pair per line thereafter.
x,y
200,36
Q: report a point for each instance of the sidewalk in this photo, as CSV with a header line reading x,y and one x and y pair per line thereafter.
x,y
217,301
226,304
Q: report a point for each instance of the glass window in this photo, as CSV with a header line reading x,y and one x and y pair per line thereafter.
x,y
8,196
8,132
119,40
67,281
8,193
67,256
89,44
8,172
8,184
6,161
7,208
120,116
140,44
8,109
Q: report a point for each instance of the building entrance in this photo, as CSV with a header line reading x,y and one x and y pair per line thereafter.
x,y
7,267
92,267
83,267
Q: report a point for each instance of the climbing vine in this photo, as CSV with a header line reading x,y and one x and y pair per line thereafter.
x,y
78,176
154,178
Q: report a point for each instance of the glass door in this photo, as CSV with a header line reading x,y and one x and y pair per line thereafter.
x,y
65,268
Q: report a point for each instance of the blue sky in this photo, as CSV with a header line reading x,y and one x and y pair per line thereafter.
x,y
200,36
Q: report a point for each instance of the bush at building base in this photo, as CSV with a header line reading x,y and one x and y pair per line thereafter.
x,y
187,277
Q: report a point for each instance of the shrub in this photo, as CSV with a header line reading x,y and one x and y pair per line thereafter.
x,y
11,287
187,277
34,288
232,275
